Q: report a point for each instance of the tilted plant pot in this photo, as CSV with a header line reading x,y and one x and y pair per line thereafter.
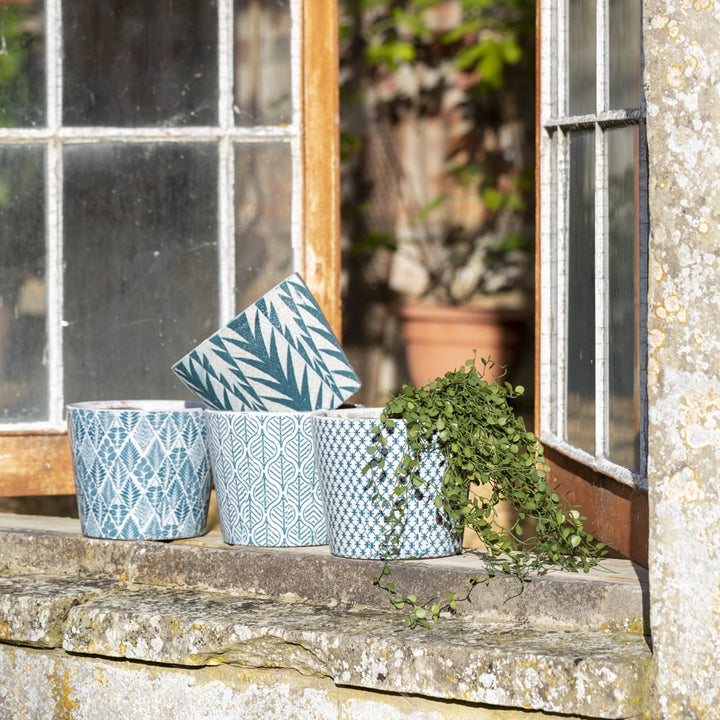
x,y
439,338
141,468
356,520
264,470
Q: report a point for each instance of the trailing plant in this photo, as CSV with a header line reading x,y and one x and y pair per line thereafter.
x,y
483,443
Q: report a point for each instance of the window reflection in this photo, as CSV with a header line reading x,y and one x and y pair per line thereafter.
x,y
262,62
624,297
23,371
263,188
134,63
624,56
581,294
22,64
581,60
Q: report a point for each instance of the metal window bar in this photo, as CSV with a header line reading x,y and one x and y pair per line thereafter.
x,y
54,137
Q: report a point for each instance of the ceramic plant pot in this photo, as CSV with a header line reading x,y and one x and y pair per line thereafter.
x,y
265,481
142,470
355,521
439,338
278,355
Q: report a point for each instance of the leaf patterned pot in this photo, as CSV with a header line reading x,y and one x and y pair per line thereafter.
x,y
355,520
279,355
264,470
142,470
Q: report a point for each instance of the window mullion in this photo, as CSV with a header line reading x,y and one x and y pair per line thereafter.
x,y
561,101
54,214
602,387
226,165
561,219
296,146
562,256
548,278
602,384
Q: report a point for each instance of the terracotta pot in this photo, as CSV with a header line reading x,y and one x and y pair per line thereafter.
x,y
439,338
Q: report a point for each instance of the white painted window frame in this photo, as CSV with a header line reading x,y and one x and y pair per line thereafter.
x,y
555,122
54,136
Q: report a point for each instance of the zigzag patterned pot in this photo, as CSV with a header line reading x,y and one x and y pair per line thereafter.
x,y
278,355
141,468
355,522
264,470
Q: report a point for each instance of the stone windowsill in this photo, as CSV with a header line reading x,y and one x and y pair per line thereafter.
x,y
200,602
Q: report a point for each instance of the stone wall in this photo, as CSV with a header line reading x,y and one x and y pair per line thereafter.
x,y
682,77
198,629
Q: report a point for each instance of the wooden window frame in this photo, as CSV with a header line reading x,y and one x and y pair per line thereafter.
x,y
38,462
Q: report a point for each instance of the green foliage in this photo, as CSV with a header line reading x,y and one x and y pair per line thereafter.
x,y
20,47
484,443
487,39
471,64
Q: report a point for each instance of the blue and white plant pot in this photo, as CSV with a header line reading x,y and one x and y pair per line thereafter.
x,y
267,489
278,355
142,469
356,525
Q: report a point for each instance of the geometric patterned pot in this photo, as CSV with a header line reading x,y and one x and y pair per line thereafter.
x,y
264,471
355,521
141,468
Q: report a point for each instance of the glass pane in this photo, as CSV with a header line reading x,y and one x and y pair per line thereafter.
x,y
262,62
137,63
624,365
141,266
581,57
263,188
624,42
22,64
581,294
23,371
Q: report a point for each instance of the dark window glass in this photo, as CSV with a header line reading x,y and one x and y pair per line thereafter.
x,y
624,53
581,57
624,297
141,266
581,293
134,63
23,335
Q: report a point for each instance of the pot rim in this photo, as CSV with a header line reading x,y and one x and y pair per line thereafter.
x,y
259,413
358,413
143,406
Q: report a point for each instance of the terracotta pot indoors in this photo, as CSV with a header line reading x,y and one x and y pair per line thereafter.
x,y
439,338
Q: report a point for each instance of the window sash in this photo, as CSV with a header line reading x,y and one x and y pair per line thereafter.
x,y
556,126
35,458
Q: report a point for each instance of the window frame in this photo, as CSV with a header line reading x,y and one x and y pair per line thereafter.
x,y
35,460
613,497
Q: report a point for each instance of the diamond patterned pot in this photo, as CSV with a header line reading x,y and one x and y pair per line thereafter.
x,y
264,470
141,468
355,522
